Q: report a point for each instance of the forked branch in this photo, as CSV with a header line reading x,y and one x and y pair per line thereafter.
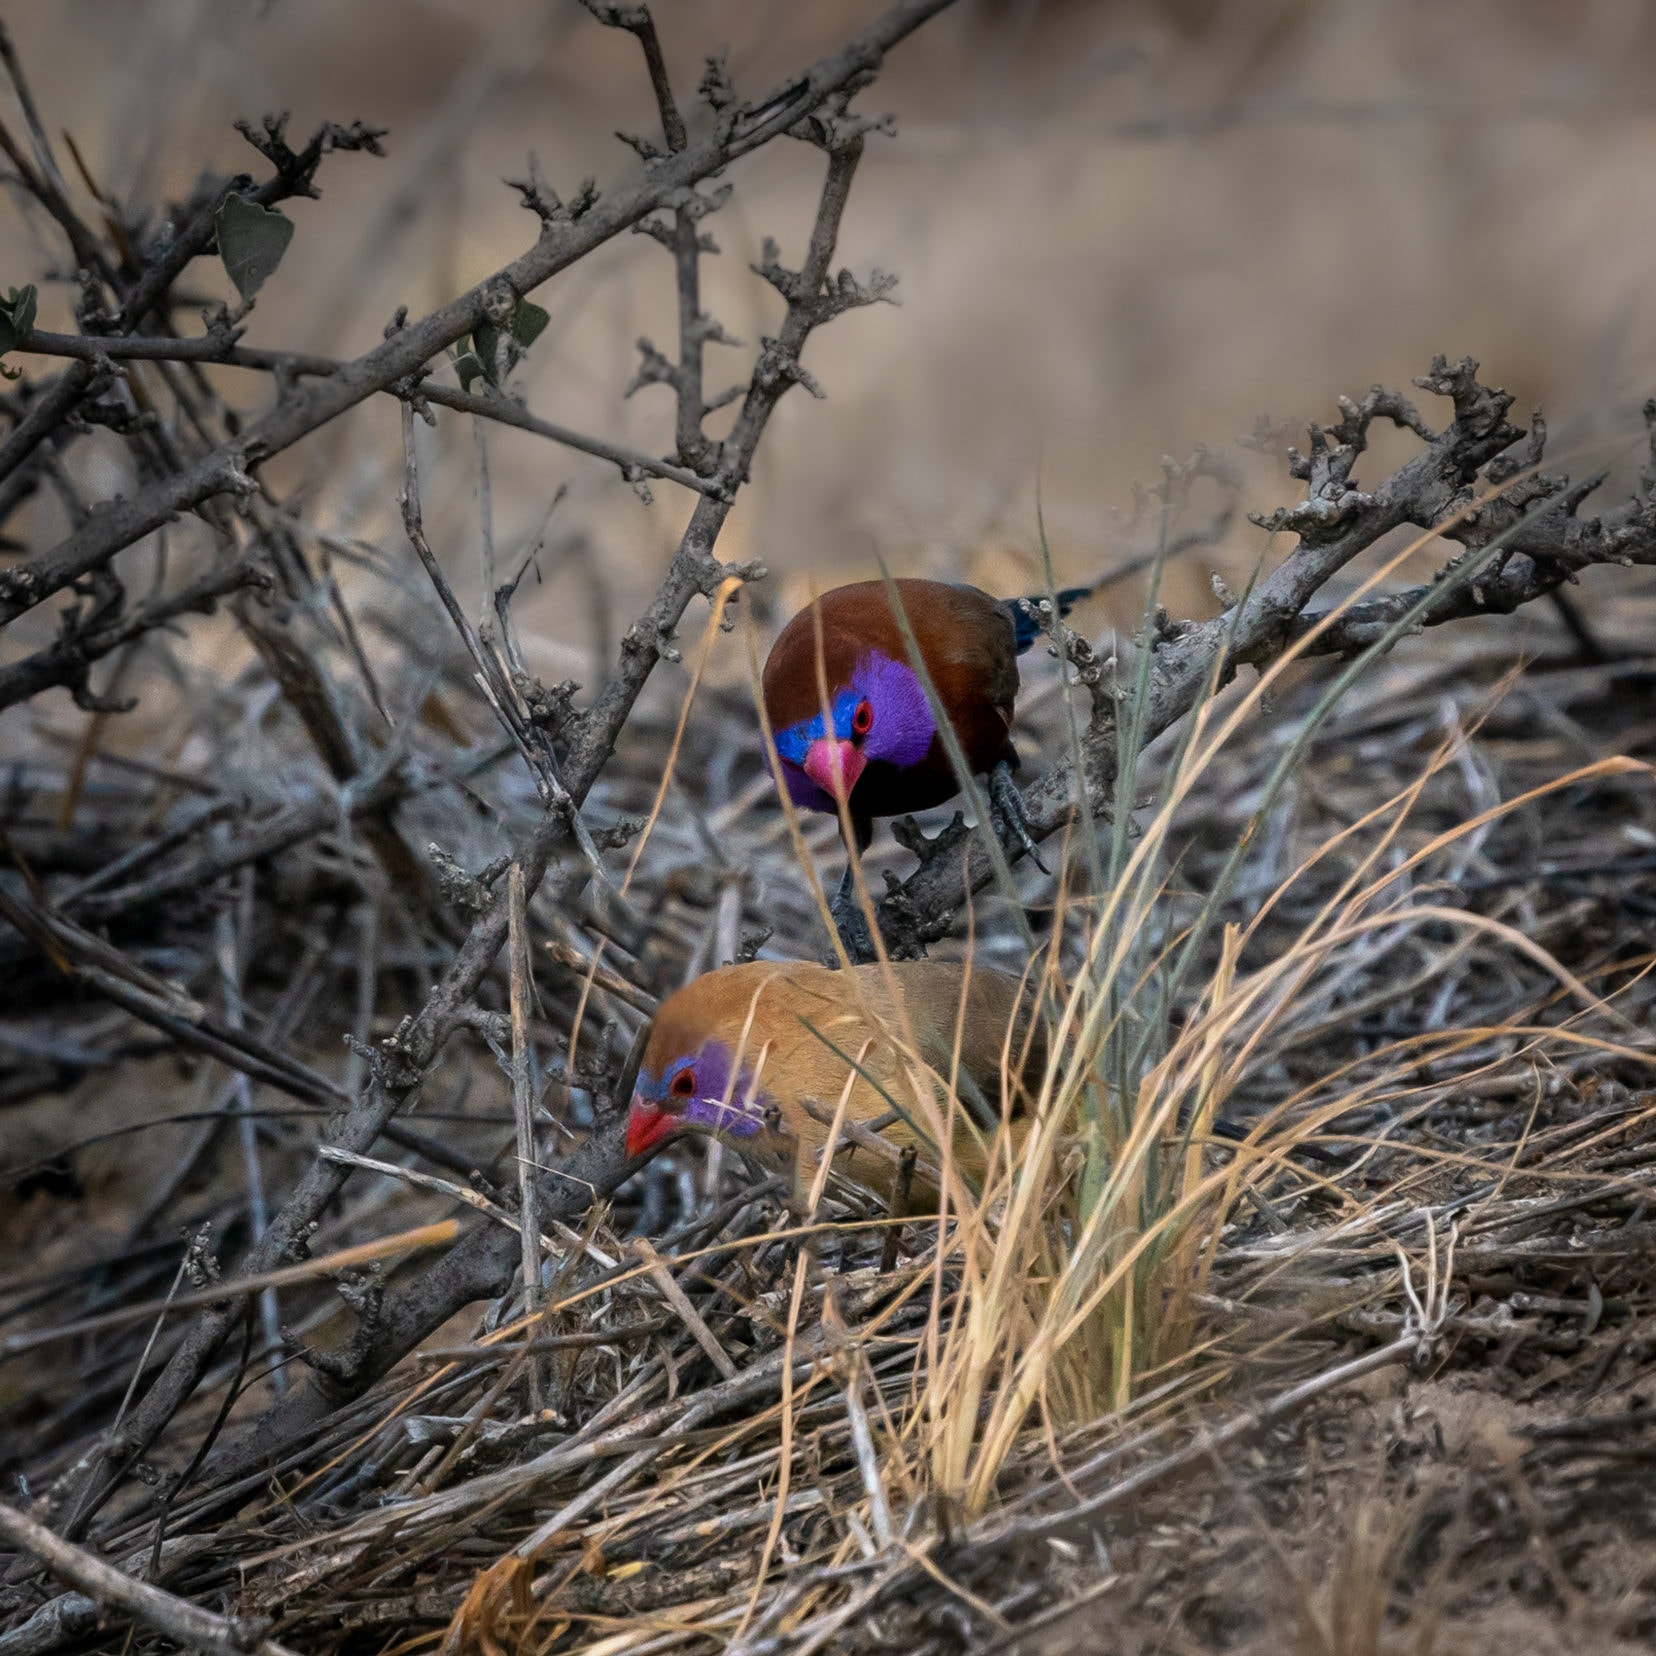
x,y
585,739
1478,479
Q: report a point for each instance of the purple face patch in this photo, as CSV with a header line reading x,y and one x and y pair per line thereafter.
x,y
701,1097
903,726
738,1118
899,732
803,791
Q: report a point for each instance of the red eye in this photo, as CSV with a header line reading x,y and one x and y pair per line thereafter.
x,y
684,1084
862,721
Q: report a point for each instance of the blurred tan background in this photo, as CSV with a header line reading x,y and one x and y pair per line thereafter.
x,y
1120,230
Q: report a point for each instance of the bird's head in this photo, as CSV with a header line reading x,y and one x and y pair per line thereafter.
x,y
877,712
693,1086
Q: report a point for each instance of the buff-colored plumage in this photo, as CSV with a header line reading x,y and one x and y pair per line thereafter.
x,y
780,1024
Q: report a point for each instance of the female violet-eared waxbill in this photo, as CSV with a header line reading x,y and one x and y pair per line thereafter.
x,y
759,1054
873,740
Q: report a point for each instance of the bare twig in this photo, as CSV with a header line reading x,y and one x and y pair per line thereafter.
x,y
422,1236
221,351
738,131
185,1623
686,1312
1526,537
590,738
477,1267
517,949
68,660
258,1209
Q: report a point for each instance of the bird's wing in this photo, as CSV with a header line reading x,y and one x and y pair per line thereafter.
x,y
972,1043
974,642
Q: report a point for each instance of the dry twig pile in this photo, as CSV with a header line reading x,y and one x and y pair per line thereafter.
x,y
391,915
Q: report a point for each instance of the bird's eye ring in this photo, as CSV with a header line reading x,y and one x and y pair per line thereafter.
x,y
862,721
684,1084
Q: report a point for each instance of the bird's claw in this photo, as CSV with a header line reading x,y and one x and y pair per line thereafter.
x,y
1011,822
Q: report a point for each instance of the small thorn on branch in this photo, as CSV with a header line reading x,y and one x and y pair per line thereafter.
x,y
296,169
468,892
543,201
642,147
636,20
654,369
717,90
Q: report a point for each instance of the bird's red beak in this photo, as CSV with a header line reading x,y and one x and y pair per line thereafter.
x,y
646,1126
834,765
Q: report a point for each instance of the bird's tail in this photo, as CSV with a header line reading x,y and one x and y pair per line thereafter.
x,y
1235,1133
1026,629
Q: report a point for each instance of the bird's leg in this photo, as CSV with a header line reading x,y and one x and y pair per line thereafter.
x,y
901,1191
849,921
846,895
1010,821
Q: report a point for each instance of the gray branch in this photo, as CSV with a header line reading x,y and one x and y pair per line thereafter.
x,y
117,524
223,350
400,1064
68,660
1540,540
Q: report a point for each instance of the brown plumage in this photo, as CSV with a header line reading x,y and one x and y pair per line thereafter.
x,y
741,1052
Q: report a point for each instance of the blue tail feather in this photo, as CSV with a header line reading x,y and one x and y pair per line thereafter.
x,y
1025,628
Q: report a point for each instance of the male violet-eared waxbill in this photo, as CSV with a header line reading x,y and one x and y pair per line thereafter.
x,y
873,739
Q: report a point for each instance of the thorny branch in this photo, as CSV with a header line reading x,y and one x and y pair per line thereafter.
x,y
584,740
483,1264
224,469
103,628
186,1624
222,350
1526,538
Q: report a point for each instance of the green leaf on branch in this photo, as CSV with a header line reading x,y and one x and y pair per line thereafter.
x,y
17,318
486,358
251,242
528,323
